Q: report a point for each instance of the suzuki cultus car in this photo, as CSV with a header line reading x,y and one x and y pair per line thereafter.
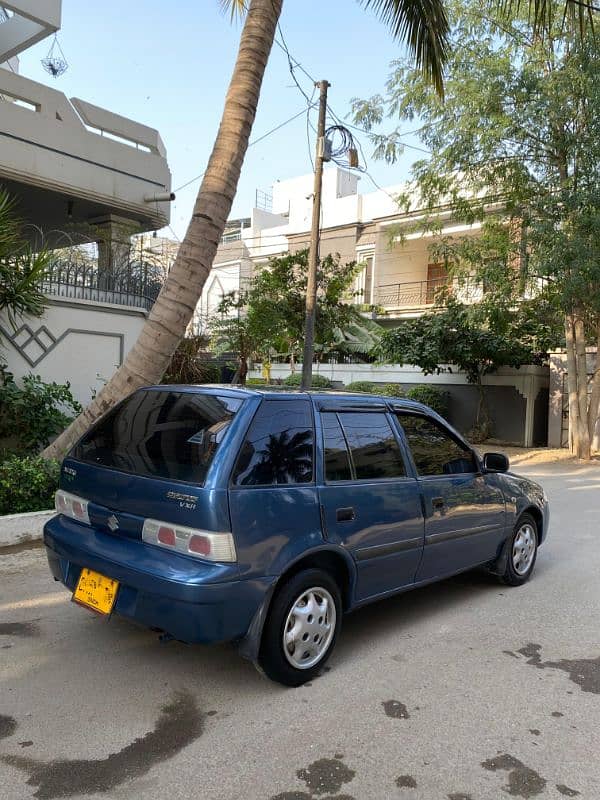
x,y
216,514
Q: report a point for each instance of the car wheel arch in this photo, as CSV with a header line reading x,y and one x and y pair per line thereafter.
x,y
338,563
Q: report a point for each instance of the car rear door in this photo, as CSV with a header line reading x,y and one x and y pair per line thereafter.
x,y
370,503
464,509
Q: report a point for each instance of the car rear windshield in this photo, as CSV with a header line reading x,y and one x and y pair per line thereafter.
x,y
160,434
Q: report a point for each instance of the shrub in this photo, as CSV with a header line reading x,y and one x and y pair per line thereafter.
x,y
361,386
27,483
256,382
318,381
32,415
189,364
391,390
431,396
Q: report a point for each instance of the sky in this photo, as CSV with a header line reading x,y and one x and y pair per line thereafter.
x,y
168,65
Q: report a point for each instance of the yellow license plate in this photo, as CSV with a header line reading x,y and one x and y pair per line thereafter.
x,y
96,591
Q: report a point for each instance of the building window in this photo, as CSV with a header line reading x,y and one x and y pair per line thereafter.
x,y
363,283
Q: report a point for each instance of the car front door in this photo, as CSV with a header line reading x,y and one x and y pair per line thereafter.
x,y
370,503
464,509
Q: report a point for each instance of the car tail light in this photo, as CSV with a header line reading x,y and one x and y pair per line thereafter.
x,y
192,542
72,506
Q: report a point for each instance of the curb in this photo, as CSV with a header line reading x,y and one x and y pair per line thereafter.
x,y
20,528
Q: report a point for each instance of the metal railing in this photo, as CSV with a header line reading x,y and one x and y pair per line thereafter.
x,y
133,284
413,293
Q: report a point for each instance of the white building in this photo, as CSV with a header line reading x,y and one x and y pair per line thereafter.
x,y
72,165
399,278
79,173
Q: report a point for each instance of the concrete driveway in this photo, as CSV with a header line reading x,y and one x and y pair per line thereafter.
x,y
466,690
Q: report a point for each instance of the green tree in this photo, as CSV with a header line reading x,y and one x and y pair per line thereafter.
x,y
22,269
468,337
268,317
515,150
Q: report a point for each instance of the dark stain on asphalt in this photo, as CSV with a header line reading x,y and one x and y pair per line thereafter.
x,y
406,782
8,725
535,731
28,743
180,722
326,776
585,672
459,796
557,714
306,796
522,780
18,629
566,790
395,709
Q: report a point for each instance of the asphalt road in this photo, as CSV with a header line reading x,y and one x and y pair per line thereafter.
x,y
463,690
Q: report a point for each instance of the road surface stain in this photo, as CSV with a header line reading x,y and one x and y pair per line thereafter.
x,y
585,672
326,776
179,724
18,629
395,709
522,780
566,790
459,796
406,782
8,725
322,778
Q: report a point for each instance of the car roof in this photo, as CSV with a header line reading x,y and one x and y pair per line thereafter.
x,y
285,391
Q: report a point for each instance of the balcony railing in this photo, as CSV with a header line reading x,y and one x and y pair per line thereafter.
x,y
407,295
134,284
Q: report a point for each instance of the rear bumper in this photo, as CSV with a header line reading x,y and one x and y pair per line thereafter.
x,y
193,601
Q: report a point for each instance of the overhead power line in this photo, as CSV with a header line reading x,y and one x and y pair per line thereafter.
x,y
252,143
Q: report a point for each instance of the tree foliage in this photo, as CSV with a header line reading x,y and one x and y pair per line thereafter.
x,y
21,268
515,152
467,337
267,318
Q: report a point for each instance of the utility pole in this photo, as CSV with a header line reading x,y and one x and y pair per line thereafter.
x,y
313,255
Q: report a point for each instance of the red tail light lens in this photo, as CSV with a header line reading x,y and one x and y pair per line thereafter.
x,y
166,536
199,544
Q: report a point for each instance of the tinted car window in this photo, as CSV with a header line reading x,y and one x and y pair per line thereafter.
x,y
160,434
434,450
335,449
278,446
374,449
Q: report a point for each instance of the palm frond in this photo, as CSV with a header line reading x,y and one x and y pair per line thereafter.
x,y
423,26
235,8
542,13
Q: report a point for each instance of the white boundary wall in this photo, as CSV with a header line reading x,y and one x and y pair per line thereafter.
x,y
75,340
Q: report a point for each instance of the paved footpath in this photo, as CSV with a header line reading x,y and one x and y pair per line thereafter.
x,y
462,691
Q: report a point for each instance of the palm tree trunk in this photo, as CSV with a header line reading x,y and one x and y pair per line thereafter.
x,y
172,311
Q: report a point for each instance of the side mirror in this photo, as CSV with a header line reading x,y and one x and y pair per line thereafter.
x,y
495,462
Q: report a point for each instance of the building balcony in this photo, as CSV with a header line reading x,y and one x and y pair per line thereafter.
x,y
72,164
407,295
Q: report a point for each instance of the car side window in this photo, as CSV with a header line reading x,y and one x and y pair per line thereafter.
x,y
434,450
335,449
278,448
373,447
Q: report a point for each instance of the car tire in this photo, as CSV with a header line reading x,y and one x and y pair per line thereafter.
x,y
521,555
301,629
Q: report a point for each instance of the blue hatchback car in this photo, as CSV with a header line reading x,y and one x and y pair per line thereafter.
x,y
217,514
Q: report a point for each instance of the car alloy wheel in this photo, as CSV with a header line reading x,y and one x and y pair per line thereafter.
x,y
309,628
